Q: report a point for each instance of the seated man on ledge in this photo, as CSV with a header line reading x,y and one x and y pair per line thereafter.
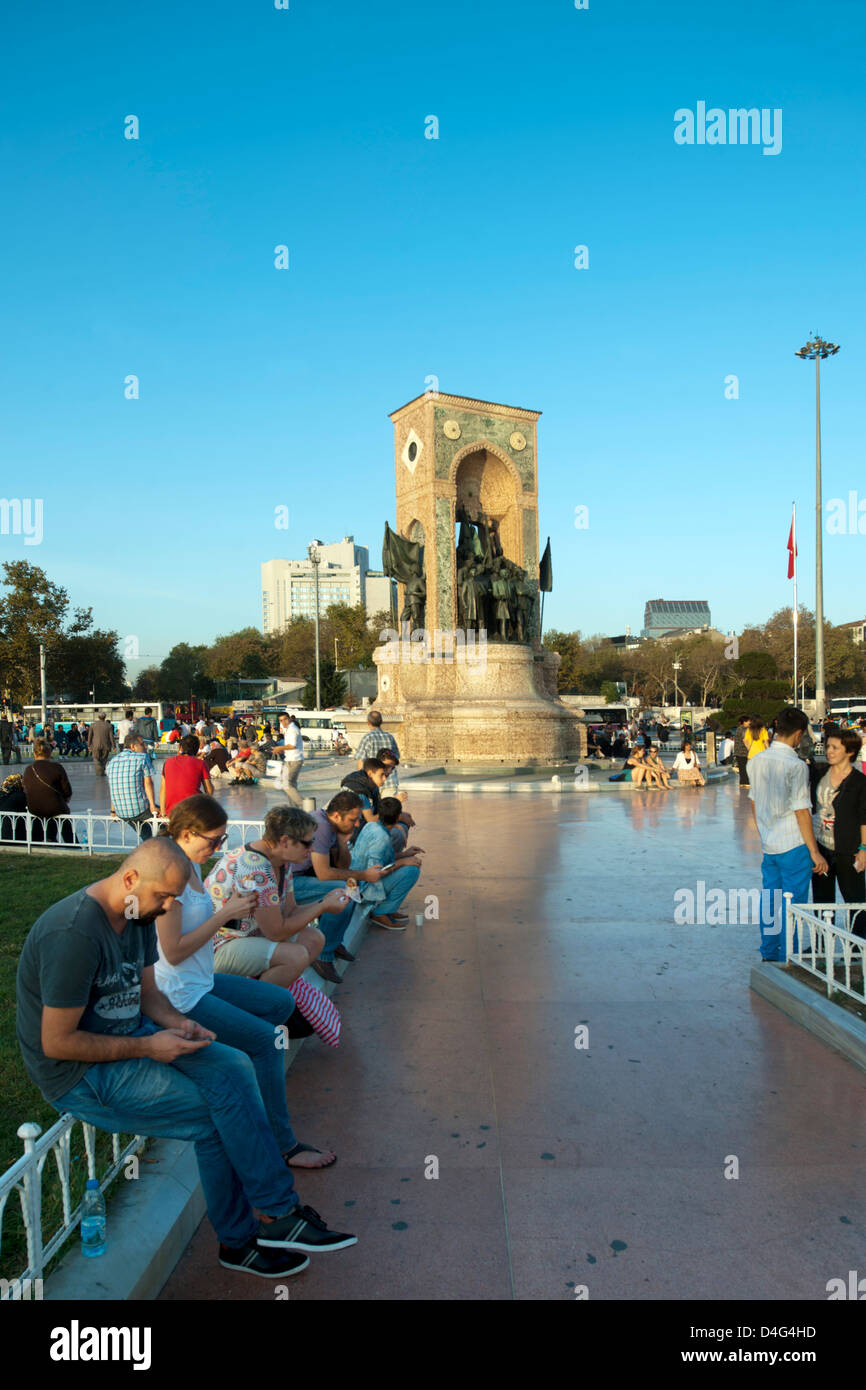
x,y
373,848
366,784
103,1043
325,868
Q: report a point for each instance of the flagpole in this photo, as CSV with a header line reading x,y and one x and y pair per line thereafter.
x,y
796,610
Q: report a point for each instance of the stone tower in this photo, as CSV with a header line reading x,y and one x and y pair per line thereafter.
x,y
457,455
452,451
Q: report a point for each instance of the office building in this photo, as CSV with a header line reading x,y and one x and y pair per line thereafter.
x,y
289,586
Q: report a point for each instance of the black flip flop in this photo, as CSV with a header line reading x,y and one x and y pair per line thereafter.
x,y
309,1149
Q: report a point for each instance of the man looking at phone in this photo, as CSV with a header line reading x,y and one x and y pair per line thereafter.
x,y
326,867
102,1042
374,846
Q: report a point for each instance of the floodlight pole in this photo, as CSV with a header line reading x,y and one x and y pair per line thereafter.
x,y
316,559
817,348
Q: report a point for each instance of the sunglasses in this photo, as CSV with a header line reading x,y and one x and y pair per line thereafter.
x,y
307,842
212,841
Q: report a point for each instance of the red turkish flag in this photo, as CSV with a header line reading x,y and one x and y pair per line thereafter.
x,y
792,550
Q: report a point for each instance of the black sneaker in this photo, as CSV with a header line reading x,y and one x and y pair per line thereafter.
x,y
251,1260
297,1026
302,1229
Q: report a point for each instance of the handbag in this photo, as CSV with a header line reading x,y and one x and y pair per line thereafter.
x,y
64,804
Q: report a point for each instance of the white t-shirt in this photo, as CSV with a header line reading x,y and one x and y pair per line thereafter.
x,y
294,744
199,726
185,984
824,819
123,728
681,761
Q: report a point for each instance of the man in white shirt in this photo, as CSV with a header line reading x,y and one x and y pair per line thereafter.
x,y
782,811
291,750
124,726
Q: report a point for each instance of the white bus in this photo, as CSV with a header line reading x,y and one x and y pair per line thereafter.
x,y
63,715
319,729
848,707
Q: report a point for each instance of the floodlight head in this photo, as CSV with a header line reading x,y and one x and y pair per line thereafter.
x,y
817,347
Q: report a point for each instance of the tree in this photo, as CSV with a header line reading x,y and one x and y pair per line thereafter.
x,y
88,661
656,672
243,655
182,674
355,636
703,659
610,692
758,691
381,622
333,685
32,612
295,648
146,684
567,644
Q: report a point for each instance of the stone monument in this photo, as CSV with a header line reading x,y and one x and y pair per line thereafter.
x,y
464,668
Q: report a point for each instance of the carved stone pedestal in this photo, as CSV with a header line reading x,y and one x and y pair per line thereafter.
x,y
495,704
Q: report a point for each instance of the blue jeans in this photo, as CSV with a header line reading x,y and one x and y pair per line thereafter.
x,y
397,885
210,1097
244,1014
790,872
333,925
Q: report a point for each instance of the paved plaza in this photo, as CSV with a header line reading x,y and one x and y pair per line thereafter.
x,y
562,1166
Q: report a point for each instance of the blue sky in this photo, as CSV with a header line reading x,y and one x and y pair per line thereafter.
x,y
411,257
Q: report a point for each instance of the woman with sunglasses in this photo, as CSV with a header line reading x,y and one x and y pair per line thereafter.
x,y
244,1013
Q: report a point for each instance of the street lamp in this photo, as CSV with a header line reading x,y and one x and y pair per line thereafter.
x,y
315,561
677,667
815,350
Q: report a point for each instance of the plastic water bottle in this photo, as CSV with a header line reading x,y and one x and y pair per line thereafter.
x,y
93,1220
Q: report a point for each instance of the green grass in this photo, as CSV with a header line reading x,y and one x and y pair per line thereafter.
x,y
28,885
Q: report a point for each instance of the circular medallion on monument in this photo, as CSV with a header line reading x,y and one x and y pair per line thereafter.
x,y
451,429
517,441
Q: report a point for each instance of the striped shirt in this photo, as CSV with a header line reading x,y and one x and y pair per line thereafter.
x,y
779,786
371,746
373,742
126,774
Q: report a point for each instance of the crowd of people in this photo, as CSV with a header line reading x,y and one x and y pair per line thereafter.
x,y
161,999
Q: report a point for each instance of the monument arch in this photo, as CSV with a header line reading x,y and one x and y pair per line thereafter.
x,y
473,464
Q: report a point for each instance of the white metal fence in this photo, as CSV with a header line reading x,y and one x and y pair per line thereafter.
x,y
94,832
820,941
25,1177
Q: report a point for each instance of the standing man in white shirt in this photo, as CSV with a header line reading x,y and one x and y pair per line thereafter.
x,y
124,727
291,750
782,810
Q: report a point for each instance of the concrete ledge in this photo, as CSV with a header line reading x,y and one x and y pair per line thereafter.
x,y
537,786
152,1219
814,1012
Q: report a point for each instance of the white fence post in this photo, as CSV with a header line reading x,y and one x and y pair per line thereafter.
x,y
789,927
31,1203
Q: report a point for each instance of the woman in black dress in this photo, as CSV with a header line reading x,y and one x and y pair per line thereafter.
x,y
839,819
48,791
